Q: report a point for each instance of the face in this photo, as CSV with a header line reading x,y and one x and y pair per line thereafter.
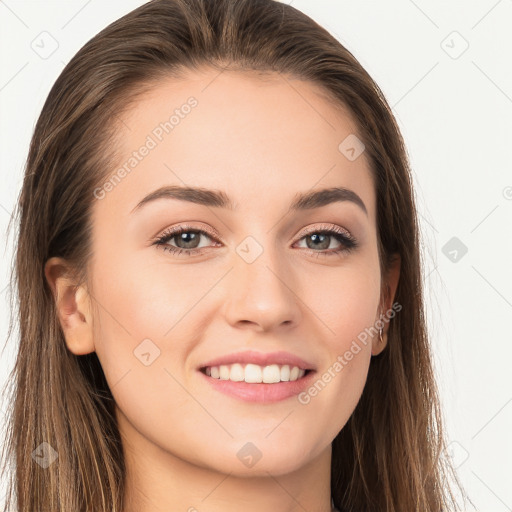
x,y
198,296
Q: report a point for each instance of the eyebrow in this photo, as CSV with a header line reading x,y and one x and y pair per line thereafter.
x,y
219,199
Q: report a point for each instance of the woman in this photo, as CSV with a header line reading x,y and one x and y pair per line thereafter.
x,y
219,278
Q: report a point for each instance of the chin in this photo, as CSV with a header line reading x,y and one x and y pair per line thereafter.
x,y
253,459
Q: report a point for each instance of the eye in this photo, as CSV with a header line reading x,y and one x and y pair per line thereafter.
x,y
320,240
186,238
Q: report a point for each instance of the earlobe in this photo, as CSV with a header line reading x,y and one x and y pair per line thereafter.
x,y
380,341
391,283
73,307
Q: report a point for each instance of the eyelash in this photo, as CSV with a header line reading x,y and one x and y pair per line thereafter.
x,y
348,242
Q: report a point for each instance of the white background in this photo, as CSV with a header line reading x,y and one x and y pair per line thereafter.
x,y
455,110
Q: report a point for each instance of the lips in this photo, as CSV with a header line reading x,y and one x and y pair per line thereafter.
x,y
258,377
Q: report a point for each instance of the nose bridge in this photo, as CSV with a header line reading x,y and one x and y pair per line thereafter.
x,y
260,291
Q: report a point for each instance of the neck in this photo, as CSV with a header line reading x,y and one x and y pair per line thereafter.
x,y
158,481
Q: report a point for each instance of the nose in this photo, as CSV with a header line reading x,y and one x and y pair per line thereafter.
x,y
261,295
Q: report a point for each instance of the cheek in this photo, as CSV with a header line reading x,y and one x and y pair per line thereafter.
x,y
345,301
140,301
346,305
137,314
145,329
149,320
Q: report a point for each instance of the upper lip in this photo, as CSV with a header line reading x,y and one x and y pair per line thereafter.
x,y
260,359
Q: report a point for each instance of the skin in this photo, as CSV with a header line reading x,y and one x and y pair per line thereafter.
x,y
261,142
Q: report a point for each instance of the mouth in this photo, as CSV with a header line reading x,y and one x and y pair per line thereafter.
x,y
259,384
253,376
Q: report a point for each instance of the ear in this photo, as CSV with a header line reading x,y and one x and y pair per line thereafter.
x,y
387,297
73,307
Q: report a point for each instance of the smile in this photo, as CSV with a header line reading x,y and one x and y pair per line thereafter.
x,y
255,374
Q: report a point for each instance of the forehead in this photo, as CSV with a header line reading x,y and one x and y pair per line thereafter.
x,y
250,134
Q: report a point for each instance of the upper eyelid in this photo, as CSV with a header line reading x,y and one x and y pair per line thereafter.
x,y
325,227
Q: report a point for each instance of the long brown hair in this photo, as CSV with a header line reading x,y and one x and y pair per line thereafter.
x,y
390,455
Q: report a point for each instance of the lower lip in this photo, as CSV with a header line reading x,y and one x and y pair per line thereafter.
x,y
263,393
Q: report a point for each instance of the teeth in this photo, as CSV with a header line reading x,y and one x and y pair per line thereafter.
x,y
254,374
224,372
237,373
272,374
